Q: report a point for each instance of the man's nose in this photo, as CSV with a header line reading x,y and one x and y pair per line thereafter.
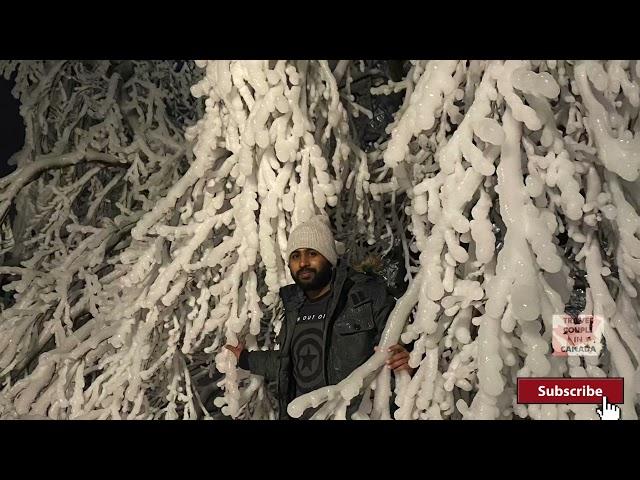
x,y
304,260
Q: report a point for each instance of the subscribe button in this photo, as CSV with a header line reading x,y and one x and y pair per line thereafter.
x,y
570,390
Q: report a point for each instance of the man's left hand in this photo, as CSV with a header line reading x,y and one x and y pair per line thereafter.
x,y
399,359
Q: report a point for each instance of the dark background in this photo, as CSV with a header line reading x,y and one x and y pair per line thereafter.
x,y
11,126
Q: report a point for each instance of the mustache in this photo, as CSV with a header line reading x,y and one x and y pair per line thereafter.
x,y
305,271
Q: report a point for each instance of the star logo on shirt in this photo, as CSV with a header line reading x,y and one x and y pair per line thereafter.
x,y
307,352
307,359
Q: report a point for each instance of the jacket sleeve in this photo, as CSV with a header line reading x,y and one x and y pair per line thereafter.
x,y
264,362
381,315
383,304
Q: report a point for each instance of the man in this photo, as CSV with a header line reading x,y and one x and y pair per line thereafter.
x,y
333,319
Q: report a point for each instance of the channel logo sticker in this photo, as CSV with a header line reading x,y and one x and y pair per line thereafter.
x,y
577,336
570,390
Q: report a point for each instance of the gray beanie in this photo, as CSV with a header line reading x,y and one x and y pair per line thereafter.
x,y
315,233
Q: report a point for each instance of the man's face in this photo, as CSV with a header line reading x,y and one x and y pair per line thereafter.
x,y
309,269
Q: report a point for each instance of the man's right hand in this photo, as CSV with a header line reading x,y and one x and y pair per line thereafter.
x,y
235,350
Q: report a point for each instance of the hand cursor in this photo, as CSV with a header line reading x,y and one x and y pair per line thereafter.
x,y
609,411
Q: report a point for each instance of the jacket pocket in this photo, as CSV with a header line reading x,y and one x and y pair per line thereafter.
x,y
357,320
353,336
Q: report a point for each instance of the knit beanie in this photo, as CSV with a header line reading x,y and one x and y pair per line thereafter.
x,y
316,234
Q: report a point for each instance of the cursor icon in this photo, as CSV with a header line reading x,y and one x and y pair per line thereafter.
x,y
609,411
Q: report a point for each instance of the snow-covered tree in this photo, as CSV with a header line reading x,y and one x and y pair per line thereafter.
x,y
153,200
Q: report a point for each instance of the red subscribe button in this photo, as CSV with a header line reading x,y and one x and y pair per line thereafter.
x,y
570,390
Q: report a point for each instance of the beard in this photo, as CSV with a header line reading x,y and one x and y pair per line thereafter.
x,y
316,281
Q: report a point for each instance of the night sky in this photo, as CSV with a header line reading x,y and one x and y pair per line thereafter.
x,y
11,126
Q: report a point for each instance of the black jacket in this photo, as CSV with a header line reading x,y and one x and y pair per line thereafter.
x,y
357,315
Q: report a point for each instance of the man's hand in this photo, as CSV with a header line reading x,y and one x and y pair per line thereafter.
x,y
235,350
398,359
